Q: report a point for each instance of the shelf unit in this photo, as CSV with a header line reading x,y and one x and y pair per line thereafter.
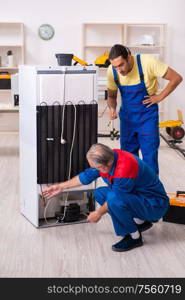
x,y
142,38
139,38
11,38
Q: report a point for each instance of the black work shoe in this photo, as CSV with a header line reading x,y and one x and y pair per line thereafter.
x,y
127,243
144,226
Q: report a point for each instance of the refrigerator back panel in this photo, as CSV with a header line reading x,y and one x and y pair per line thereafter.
x,y
53,157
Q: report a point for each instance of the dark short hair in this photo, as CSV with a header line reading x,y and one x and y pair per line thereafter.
x,y
119,50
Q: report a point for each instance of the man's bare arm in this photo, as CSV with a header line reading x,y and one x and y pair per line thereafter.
x,y
56,189
174,79
112,103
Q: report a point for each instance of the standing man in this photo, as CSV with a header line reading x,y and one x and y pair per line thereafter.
x,y
136,79
133,197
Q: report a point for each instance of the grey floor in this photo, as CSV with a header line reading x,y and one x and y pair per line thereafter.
x,y
84,250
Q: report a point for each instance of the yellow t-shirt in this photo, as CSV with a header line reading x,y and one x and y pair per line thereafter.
x,y
152,68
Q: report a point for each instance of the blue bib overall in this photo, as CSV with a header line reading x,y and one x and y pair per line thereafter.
x,y
139,125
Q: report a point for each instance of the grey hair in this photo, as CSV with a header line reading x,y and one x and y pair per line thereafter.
x,y
100,154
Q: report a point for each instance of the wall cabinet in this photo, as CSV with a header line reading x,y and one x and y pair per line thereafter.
x,y
139,38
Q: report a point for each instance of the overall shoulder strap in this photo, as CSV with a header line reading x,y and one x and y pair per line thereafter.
x,y
140,67
115,76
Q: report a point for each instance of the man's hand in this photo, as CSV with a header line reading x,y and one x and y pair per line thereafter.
x,y
112,114
58,188
94,216
152,99
52,191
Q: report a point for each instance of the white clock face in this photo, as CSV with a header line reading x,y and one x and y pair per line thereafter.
x,y
46,31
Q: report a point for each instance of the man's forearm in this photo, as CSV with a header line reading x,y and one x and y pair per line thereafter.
x,y
73,182
174,80
112,102
58,188
168,89
103,209
112,99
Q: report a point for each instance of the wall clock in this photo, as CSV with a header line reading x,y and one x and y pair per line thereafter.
x,y
46,31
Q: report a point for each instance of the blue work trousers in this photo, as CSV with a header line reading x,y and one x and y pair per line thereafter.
x,y
123,207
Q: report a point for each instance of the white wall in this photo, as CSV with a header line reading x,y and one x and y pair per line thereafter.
x,y
67,17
